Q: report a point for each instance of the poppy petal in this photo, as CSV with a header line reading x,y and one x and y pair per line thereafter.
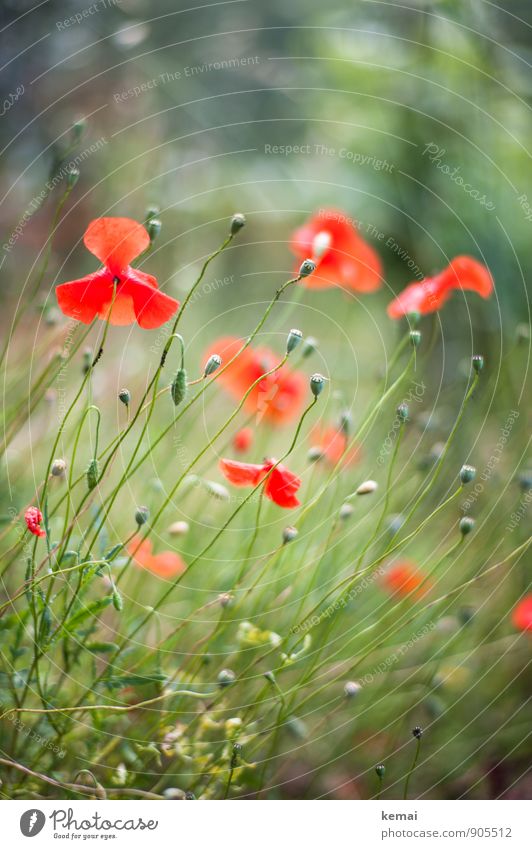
x,y
86,298
281,487
116,241
151,308
242,474
166,564
140,550
425,297
464,272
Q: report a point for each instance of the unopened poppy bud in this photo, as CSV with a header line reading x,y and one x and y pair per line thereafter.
x,y
270,677
346,422
314,454
58,468
154,228
179,386
93,473
525,481
237,222
78,128
467,523
402,412
417,732
294,338
226,677
415,338
367,488
142,514
317,382
478,363
467,473
380,769
306,268
125,396
289,534
351,689
225,599
346,511
117,600
72,176
178,529
214,362
309,346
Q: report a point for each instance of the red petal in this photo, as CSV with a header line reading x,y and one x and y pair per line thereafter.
x,y
425,297
166,564
242,474
464,272
522,614
140,550
150,307
86,298
281,487
116,241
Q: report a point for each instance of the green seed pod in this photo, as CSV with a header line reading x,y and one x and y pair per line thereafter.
x,y
237,222
289,534
125,396
402,412
142,514
317,382
417,732
467,474
72,177
213,363
154,228
179,387
380,769
294,338
415,338
93,473
309,346
226,677
466,525
306,268
478,363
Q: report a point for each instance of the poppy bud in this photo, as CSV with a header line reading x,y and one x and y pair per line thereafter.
x,y
72,176
346,511
380,769
306,268
152,211
289,534
179,386
402,412
237,222
178,529
154,228
225,599
309,347
314,454
78,128
93,473
346,422
117,600
417,732
142,514
367,488
467,473
226,677
467,523
317,382
214,362
351,689
415,338
293,340
58,468
125,396
525,481
218,490
478,363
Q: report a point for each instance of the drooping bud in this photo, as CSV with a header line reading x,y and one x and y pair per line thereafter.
x,y
237,222
367,488
402,412
467,473
306,268
93,473
294,338
179,386
154,228
351,689
415,338
467,523
226,677
289,534
213,363
309,346
142,514
125,396
317,382
117,600
58,468
478,363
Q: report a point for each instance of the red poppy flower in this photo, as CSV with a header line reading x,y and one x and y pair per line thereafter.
x,y
116,242
33,518
278,398
280,486
166,564
342,257
430,294
522,614
332,442
243,439
404,579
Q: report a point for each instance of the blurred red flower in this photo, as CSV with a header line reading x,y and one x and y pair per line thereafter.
x,y
430,294
277,398
342,257
166,564
522,614
280,486
405,579
116,242
33,518
243,439
332,442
